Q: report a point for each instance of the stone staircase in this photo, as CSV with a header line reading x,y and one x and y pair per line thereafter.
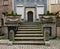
x,y
29,33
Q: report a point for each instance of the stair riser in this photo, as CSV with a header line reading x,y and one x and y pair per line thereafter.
x,y
29,33
31,23
29,28
29,39
28,43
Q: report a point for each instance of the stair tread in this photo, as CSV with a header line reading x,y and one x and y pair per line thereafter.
x,y
29,37
28,27
28,41
29,31
29,34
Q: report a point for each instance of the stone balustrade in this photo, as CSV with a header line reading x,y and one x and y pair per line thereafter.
x,y
48,18
12,20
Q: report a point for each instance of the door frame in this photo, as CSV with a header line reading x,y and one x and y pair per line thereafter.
x,y
27,9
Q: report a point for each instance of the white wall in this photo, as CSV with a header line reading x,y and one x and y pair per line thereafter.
x,y
40,10
20,11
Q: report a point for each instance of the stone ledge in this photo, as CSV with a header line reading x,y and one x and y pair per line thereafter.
x,y
5,42
47,43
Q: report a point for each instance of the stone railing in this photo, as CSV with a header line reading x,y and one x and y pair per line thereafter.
x,y
12,20
47,19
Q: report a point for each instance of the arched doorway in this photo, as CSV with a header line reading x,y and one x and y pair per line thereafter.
x,y
30,16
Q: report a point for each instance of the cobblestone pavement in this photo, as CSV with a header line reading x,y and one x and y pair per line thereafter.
x,y
54,44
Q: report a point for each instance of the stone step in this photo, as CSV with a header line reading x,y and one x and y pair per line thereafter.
x,y
29,29
29,25
29,32
29,39
29,42
29,35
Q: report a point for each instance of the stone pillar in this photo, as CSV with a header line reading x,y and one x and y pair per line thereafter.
x,y
11,35
46,35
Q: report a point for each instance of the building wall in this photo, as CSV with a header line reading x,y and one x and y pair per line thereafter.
x,y
33,3
53,5
1,8
9,7
58,31
55,8
40,10
58,25
20,11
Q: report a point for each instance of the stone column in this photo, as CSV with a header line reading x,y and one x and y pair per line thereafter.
x,y
11,35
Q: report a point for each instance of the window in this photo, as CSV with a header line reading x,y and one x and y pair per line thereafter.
x,y
5,2
54,1
20,1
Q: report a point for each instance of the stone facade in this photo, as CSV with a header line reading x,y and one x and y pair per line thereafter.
x,y
49,24
7,7
52,31
53,8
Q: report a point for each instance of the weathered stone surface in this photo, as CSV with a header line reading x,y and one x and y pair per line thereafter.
x,y
11,35
54,44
